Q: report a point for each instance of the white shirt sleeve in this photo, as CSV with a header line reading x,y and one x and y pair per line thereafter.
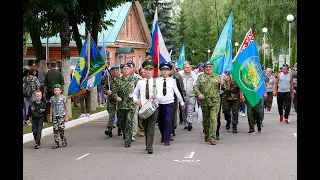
x,y
90,82
136,91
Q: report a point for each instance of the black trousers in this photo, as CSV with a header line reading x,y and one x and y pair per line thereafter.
x,y
37,125
219,117
284,100
231,106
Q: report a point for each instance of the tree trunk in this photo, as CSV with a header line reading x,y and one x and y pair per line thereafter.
x,y
65,57
94,33
36,42
93,100
75,31
95,26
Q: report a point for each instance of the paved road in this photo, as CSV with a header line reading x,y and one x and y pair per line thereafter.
x,y
269,155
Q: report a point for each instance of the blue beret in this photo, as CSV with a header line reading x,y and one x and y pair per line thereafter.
x,y
208,63
53,62
166,65
114,67
127,65
56,86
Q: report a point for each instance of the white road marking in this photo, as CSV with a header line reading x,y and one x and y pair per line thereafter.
x,y
189,155
83,156
187,160
295,134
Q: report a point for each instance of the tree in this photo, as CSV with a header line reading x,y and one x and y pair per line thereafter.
x,y
165,21
293,57
25,37
32,24
260,53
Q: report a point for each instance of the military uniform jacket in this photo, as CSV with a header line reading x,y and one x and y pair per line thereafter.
x,y
178,76
121,88
209,87
231,89
111,100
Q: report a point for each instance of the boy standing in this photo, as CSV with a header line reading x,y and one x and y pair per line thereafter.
x,y
38,113
59,113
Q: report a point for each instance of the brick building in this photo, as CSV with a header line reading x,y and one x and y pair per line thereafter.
x,y
127,39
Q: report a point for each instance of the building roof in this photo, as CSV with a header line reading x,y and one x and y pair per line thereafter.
x,y
117,14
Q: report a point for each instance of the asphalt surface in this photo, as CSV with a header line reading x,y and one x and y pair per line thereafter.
x,y
91,155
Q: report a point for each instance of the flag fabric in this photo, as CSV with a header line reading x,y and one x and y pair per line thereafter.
x,y
104,49
219,55
182,57
90,64
247,70
159,52
103,53
227,65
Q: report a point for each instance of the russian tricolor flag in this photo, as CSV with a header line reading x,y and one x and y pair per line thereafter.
x,y
159,51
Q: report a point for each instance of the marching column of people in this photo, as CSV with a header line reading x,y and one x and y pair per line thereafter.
x,y
128,92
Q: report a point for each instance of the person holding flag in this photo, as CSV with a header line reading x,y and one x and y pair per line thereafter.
x,y
112,104
247,73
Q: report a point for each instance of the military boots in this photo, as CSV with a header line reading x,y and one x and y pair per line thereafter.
x,y
234,128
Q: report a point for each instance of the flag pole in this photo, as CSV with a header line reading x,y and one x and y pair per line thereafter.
x,y
158,52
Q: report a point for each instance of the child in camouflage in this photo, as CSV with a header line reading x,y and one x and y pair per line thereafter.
x,y
38,113
59,113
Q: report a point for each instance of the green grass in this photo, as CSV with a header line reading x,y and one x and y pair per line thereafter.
x,y
76,112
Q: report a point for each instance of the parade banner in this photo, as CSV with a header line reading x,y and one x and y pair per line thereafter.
x,y
247,71
222,53
90,64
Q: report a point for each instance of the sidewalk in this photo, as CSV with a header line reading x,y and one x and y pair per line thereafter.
x,y
47,131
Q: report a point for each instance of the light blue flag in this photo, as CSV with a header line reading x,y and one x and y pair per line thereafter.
x,y
104,48
220,51
182,57
227,66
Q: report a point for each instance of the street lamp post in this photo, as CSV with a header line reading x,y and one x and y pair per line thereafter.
x,y
236,44
264,30
193,52
290,18
208,54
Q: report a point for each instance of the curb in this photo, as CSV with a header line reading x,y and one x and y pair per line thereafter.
x,y
49,130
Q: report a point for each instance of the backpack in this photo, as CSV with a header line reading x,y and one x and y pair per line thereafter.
x,y
27,89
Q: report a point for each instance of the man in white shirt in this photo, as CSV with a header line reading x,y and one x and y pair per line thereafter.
x,y
145,90
184,63
190,98
85,98
166,88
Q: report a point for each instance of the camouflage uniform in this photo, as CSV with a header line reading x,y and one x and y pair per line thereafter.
x,y
58,115
231,102
126,107
254,116
210,88
111,106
